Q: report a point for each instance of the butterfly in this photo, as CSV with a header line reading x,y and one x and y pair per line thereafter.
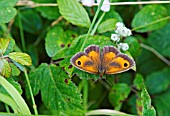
x,y
109,61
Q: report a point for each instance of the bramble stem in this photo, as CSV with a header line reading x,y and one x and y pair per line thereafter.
x,y
21,32
30,89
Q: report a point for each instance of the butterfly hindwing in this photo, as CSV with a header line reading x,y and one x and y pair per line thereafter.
x,y
120,64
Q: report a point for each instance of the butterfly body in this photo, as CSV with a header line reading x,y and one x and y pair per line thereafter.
x,y
109,61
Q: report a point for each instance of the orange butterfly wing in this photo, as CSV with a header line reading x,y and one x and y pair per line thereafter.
x,y
89,60
114,61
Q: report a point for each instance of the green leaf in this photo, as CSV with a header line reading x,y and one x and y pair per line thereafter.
x,y
21,58
138,81
148,109
153,13
7,14
9,101
15,95
152,65
5,69
48,11
7,3
58,95
159,40
76,46
118,94
161,103
3,45
108,25
74,12
55,41
10,47
134,46
15,70
158,82
14,84
112,14
31,21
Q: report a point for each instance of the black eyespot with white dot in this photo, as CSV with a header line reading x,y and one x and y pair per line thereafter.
x,y
125,64
79,63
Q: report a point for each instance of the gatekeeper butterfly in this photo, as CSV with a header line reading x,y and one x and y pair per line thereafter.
x,y
109,61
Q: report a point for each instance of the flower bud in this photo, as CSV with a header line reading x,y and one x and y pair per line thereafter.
x,y
123,46
115,37
88,3
105,6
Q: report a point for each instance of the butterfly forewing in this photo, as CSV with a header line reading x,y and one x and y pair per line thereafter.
x,y
108,54
88,60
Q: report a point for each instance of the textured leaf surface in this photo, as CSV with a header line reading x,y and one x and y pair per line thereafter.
x,y
7,12
56,41
48,11
108,25
148,15
159,40
15,70
5,69
74,12
151,61
112,14
158,82
76,46
21,58
118,94
58,95
148,109
3,45
162,103
10,47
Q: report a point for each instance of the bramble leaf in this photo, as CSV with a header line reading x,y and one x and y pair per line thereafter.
x,y
56,41
21,58
7,12
108,25
5,69
159,40
153,13
59,96
154,79
118,94
74,12
3,45
48,11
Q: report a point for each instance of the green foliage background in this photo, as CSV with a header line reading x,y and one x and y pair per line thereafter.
x,y
51,35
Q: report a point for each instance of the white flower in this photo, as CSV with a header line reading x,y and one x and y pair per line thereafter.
x,y
123,31
87,2
105,6
123,46
119,24
115,37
